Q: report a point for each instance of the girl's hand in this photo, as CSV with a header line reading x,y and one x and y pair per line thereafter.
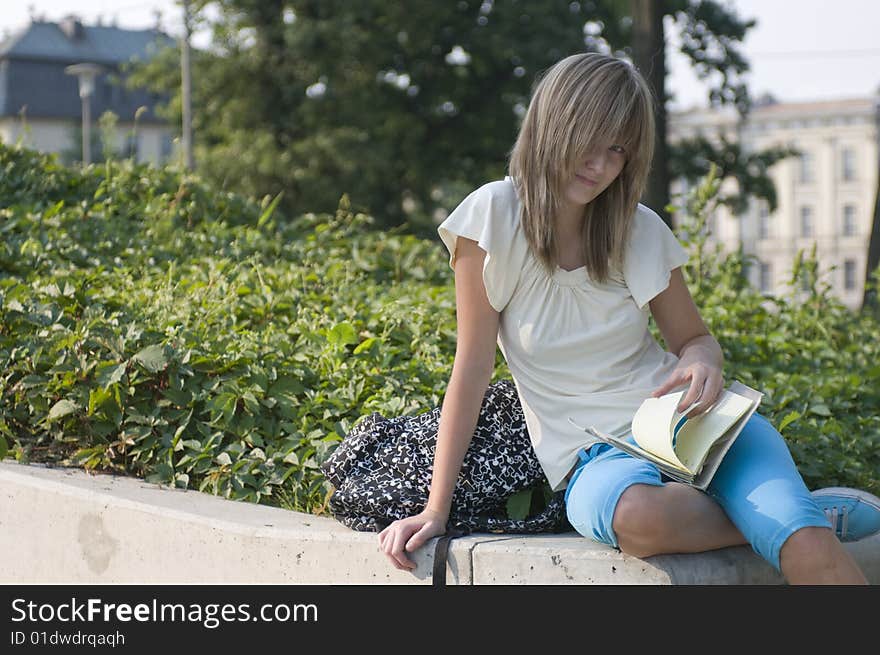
x,y
706,383
408,535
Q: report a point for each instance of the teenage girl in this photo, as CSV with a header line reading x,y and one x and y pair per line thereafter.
x,y
561,265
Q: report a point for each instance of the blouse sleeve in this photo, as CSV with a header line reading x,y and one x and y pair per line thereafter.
x,y
653,252
489,217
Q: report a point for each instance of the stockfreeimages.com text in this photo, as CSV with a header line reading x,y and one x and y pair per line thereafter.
x,y
210,615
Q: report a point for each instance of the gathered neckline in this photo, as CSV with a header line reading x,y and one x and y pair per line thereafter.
x,y
573,278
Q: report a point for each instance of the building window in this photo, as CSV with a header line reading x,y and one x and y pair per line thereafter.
x,y
849,220
806,168
849,274
848,164
763,221
806,221
765,277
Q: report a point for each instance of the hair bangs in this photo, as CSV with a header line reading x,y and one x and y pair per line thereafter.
x,y
583,102
612,116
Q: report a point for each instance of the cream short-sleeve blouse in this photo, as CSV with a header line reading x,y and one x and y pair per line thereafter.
x,y
574,347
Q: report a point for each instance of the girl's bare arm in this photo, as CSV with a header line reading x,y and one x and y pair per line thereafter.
x,y
472,368
701,360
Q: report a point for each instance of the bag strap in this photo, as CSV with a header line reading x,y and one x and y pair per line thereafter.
x,y
441,554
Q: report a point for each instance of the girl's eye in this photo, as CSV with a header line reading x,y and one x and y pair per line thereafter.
x,y
618,149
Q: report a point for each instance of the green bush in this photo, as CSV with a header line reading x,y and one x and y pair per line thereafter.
x,y
153,326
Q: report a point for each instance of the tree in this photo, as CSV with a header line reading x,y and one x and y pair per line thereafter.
x,y
649,56
404,106
711,34
751,169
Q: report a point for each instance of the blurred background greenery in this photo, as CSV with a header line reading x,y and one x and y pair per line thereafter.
x,y
406,107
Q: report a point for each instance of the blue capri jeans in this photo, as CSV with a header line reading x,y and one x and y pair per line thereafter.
x,y
757,485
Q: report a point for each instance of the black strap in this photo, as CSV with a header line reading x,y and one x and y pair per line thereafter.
x,y
441,553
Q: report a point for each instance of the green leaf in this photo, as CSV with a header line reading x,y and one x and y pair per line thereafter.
x,y
61,409
163,474
178,433
267,214
31,381
110,373
286,385
251,402
820,409
366,344
97,398
54,209
180,398
342,333
789,418
3,447
223,459
518,504
152,358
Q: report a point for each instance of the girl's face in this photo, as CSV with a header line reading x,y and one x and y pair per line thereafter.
x,y
595,173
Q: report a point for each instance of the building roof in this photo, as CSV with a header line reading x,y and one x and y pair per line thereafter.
x,y
772,109
33,62
71,40
822,107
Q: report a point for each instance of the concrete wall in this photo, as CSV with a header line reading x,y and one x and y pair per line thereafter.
x,y
65,526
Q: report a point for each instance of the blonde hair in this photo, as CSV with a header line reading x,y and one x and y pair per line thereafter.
x,y
583,101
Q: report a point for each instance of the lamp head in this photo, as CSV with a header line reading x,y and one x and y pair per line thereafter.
x,y
86,74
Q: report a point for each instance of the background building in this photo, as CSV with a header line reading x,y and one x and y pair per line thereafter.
x,y
40,103
825,196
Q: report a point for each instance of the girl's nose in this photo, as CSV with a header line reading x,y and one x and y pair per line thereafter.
x,y
596,160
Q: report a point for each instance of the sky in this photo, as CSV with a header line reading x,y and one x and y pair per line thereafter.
x,y
799,50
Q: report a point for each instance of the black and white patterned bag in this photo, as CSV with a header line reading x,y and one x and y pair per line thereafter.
x,y
382,469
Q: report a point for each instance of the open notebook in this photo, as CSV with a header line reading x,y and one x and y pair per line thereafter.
x,y
687,448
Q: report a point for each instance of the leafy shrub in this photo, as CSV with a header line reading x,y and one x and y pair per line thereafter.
x,y
153,326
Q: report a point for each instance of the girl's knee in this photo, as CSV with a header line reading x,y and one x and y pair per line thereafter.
x,y
808,542
809,548
639,521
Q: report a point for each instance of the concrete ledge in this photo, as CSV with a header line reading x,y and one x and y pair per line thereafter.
x,y
69,526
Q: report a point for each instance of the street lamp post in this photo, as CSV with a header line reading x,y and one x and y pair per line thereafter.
x,y
86,73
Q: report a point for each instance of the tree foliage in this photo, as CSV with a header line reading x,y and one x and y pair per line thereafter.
x,y
404,106
696,155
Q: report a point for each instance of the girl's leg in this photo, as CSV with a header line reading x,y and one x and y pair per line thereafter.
x,y
619,500
686,520
816,556
672,518
760,489
757,497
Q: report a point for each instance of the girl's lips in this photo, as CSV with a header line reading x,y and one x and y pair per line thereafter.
x,y
586,180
